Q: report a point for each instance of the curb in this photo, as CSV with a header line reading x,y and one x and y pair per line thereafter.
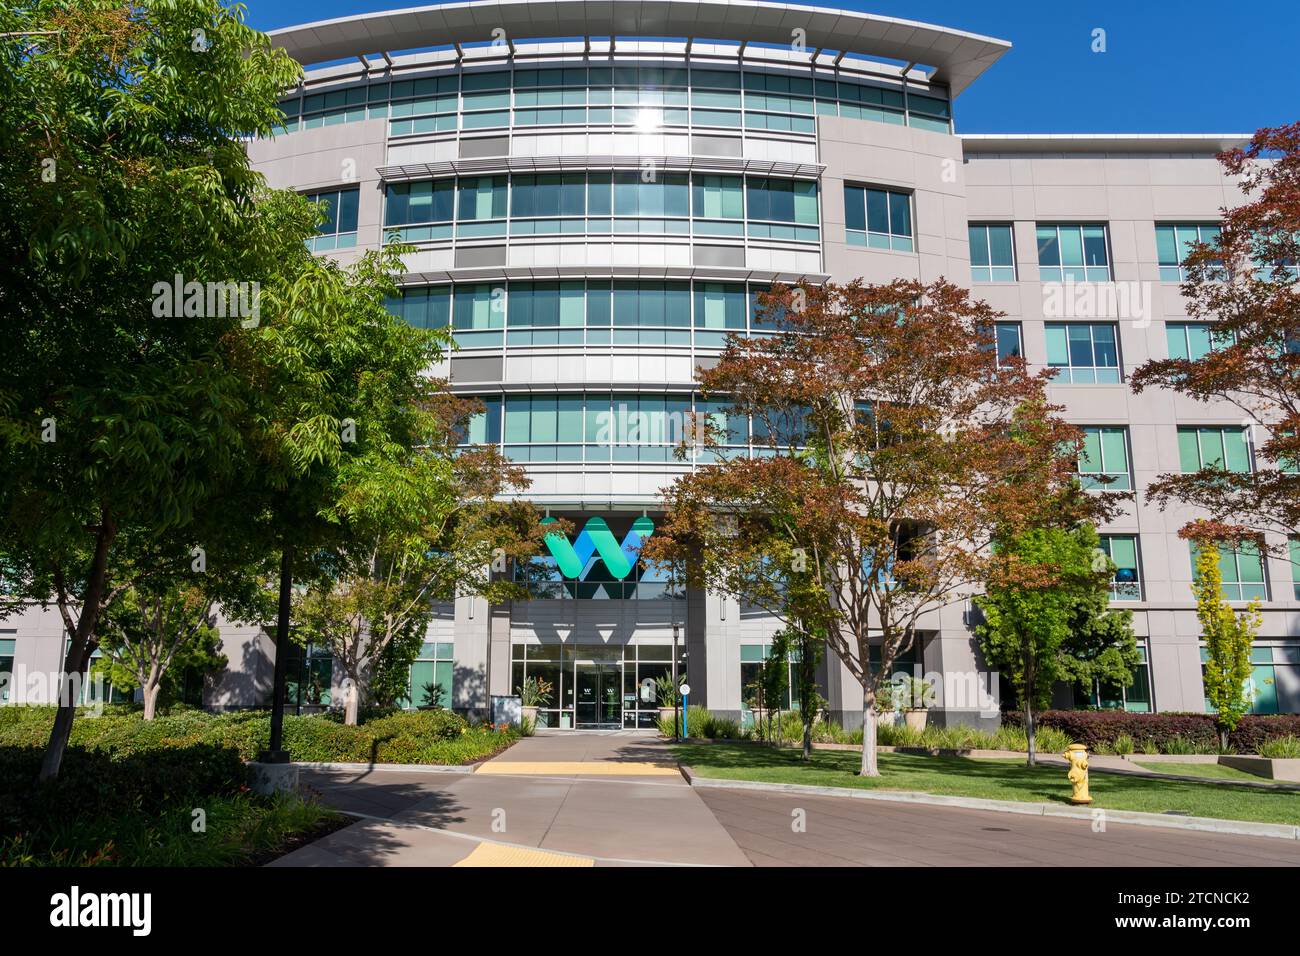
x,y
390,767
1278,831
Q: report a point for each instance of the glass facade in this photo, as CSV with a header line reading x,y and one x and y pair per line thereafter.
x,y
429,684
1194,340
637,96
696,314
599,686
602,203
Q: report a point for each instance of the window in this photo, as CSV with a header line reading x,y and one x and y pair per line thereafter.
x,y
7,645
339,228
1135,698
1194,340
1242,570
1227,449
430,201
1075,252
1174,241
783,208
310,677
548,195
717,197
877,218
1293,553
1122,549
429,680
426,308
1008,341
544,427
1082,352
751,669
481,206
1105,455
992,258
485,427
1273,686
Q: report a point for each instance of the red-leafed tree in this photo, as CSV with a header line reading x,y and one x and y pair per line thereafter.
x,y
890,448
1245,284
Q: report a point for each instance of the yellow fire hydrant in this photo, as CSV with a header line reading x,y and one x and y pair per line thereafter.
x,y
1077,754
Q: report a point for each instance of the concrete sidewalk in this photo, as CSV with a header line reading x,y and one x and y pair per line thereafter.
x,y
603,799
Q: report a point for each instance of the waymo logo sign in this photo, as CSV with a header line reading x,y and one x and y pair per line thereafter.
x,y
596,538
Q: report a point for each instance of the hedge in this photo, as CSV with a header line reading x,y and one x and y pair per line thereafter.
x,y
430,736
1093,727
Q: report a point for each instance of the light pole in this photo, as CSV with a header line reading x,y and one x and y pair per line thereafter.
x,y
677,699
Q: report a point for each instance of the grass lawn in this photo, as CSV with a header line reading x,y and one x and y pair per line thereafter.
x,y
1200,770
990,779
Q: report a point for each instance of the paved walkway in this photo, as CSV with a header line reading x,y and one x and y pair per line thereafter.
x,y
615,798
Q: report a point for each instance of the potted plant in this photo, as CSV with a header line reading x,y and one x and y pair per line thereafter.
x,y
535,693
910,698
666,691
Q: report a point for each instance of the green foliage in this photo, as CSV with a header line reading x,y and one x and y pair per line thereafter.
x,y
666,690
1281,748
430,736
535,692
1047,619
1228,638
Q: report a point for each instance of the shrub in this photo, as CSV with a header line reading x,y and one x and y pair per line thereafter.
x,y
1124,745
1281,748
1098,727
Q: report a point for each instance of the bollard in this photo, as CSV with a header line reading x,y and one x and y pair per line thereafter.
x,y
1077,754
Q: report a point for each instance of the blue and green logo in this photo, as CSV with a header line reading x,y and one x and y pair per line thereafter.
x,y
596,538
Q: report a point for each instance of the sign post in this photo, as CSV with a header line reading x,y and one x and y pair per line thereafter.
x,y
686,693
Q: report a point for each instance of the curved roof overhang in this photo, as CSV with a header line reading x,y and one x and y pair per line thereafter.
x,y
956,57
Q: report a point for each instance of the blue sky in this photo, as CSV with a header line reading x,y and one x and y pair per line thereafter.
x,y
1190,66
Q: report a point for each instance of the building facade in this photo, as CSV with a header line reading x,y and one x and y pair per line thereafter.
x,y
596,191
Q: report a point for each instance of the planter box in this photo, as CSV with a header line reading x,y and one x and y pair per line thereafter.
x,y
1282,769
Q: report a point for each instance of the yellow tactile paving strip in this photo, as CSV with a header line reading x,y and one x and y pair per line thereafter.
x,y
581,768
495,854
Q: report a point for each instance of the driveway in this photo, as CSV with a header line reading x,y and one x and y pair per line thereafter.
x,y
615,798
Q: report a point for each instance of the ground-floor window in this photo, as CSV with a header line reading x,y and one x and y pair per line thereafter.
x,y
1273,686
1135,698
309,677
429,682
595,685
751,670
7,645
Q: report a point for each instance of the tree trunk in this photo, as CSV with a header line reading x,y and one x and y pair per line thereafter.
x,y
151,689
1032,748
807,739
275,748
77,660
870,766
71,683
351,699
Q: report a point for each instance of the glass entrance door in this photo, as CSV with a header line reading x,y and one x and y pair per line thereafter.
x,y
599,685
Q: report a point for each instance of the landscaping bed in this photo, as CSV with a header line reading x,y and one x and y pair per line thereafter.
x,y
128,791
411,737
990,779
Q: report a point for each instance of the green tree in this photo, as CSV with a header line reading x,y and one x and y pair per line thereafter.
x,y
1228,638
122,167
1046,617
